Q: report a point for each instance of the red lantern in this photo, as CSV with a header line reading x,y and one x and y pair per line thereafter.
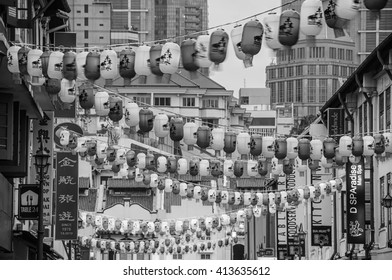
x,y
332,20
188,53
115,109
230,142
194,167
280,145
127,64
271,23
375,5
357,148
86,97
176,129
262,167
238,168
252,36
218,46
22,60
69,65
171,164
155,58
379,144
146,120
289,27
304,149
255,144
203,137
329,145
92,67
216,168
311,17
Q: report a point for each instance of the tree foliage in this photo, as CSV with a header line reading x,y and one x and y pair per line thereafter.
x,y
302,124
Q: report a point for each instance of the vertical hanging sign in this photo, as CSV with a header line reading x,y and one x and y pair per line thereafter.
x,y
43,131
67,196
281,225
355,202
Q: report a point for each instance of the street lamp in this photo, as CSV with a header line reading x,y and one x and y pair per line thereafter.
x,y
42,165
387,203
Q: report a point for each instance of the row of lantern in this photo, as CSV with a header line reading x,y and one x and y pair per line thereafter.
x,y
167,246
197,53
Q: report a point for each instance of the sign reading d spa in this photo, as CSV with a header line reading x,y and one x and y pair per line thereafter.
x,y
355,202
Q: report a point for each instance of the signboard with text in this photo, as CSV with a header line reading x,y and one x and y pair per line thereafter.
x,y
335,117
355,201
28,202
281,225
67,196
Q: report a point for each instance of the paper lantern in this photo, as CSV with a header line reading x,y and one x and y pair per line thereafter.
x,y
179,188
332,20
161,126
216,168
69,65
194,167
288,167
101,150
262,167
190,134
268,147
142,61
68,91
86,97
316,149
146,120
188,55
329,145
141,160
375,5
347,9
311,22
217,139
368,145
255,145
12,59
271,31
218,46
379,143
339,159
292,148
327,163
172,164
197,192
228,167
131,114
91,148
388,142
252,36
204,194
280,146
202,51
357,146
300,165
182,166
176,129
22,60
108,62
115,108
131,158
101,103
276,167
345,146
313,164
238,168
204,167
53,86
203,137
230,142
236,38
34,65
170,58
155,58
161,164
92,66
81,58
55,65
243,143
289,28
304,149
127,63
64,137
150,161
252,168
190,190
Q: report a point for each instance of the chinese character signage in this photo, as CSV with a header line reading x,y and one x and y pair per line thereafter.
x,y
281,225
67,196
28,202
335,118
355,201
43,131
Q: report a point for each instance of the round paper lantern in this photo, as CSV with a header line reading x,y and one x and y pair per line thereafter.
x,y
170,58
182,166
217,139
161,126
190,134
280,146
347,9
150,161
339,159
268,147
115,108
289,28
379,143
81,58
155,59
230,142
228,167
292,148
142,61
204,167
368,146
197,192
141,160
202,51
190,190
101,150
22,60
179,188
68,91
194,167
34,65
236,38
326,163
146,120
12,59
255,145
127,63
130,158
252,168
92,66
316,149
53,86
252,36
262,167
101,103
276,167
345,146
304,149
375,5
161,164
204,194
216,168
86,97
243,143
108,62
218,46
69,65
172,164
311,17
300,165
388,142
64,137
176,129
329,145
271,24
188,53
357,146
238,168
55,65
45,62
288,167
203,137
131,114
332,20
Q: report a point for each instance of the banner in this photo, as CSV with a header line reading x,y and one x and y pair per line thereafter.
x,y
67,196
355,201
28,202
44,128
335,117
281,225
291,218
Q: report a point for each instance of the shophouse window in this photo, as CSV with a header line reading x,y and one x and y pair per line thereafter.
x,y
291,54
388,108
335,85
316,52
6,138
381,111
205,256
312,90
341,54
365,118
312,70
272,87
290,91
335,70
290,71
210,103
86,8
323,90
332,53
244,100
280,92
312,111
299,70
349,55
85,34
188,102
281,72
272,73
162,101
301,53
298,90
212,123
360,120
142,101
323,69
343,71
177,256
86,21
382,195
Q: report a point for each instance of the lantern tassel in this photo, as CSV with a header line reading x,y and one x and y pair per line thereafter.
x,y
248,61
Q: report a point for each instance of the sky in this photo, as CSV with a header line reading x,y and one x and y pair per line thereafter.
x,y
232,74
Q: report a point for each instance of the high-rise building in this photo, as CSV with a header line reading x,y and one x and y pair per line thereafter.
x,y
307,74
